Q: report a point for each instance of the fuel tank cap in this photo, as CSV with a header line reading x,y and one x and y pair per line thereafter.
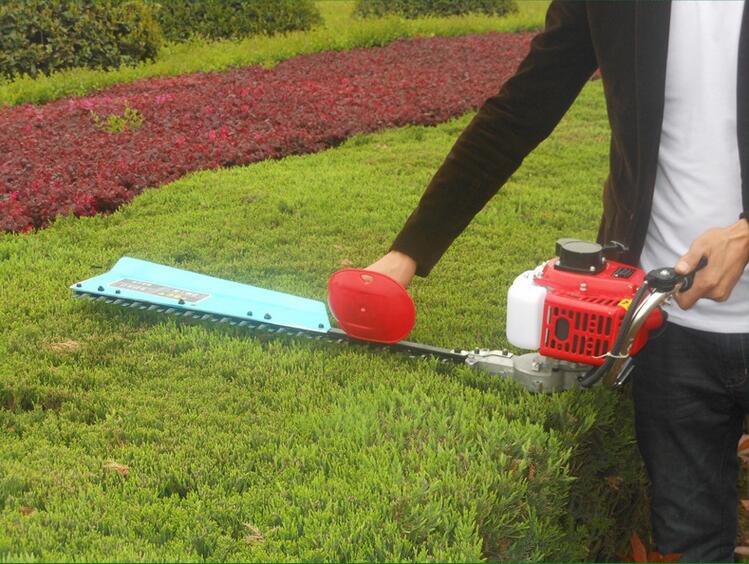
x,y
580,256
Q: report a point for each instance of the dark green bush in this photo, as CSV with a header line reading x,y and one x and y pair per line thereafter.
x,y
41,36
420,8
224,19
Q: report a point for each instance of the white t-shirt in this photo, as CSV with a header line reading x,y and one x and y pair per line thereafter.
x,y
698,182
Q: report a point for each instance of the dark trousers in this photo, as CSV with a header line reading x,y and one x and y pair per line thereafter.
x,y
691,393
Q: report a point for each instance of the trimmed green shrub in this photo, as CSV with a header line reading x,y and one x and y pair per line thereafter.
x,y
421,8
132,436
41,36
224,19
339,33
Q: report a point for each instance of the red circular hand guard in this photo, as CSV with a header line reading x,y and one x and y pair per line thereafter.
x,y
370,306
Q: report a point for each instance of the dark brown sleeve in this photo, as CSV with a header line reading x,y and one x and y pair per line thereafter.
x,y
506,128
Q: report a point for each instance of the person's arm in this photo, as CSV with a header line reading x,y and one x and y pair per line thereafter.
x,y
506,128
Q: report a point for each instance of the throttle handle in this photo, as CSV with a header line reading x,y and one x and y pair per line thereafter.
x,y
688,280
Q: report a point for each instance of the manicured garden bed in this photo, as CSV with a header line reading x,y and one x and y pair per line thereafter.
x,y
126,435
340,31
60,158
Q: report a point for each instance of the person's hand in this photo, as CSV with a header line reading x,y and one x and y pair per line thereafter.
x,y
727,252
397,265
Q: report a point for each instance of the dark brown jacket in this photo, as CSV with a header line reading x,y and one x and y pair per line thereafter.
x,y
628,41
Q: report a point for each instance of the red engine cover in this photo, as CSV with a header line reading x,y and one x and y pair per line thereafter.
x,y
583,312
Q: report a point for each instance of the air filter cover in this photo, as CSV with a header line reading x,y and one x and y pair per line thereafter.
x,y
580,256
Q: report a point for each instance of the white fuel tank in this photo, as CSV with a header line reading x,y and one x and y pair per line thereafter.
x,y
525,310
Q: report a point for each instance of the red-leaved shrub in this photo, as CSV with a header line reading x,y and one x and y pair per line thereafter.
x,y
55,161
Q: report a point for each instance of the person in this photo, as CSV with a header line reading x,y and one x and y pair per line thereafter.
x,y
676,82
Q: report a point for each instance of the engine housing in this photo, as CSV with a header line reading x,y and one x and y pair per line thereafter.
x,y
574,314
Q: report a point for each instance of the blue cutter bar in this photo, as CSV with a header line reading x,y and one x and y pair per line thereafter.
x,y
139,283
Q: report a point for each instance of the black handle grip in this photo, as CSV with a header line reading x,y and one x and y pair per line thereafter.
x,y
689,278
593,375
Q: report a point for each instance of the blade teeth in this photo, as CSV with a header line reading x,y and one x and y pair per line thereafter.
x,y
234,321
249,324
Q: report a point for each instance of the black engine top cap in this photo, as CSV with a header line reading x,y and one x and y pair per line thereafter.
x,y
576,255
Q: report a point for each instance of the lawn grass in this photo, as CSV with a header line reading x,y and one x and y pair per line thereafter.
x,y
242,447
339,31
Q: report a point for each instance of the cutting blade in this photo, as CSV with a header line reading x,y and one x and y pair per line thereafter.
x,y
147,285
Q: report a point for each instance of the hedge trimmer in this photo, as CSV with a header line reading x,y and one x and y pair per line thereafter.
x,y
584,313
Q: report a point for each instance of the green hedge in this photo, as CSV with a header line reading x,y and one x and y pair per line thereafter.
x,y
421,8
253,447
41,36
340,32
225,19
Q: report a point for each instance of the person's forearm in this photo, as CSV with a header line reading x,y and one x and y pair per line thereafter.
x,y
506,128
